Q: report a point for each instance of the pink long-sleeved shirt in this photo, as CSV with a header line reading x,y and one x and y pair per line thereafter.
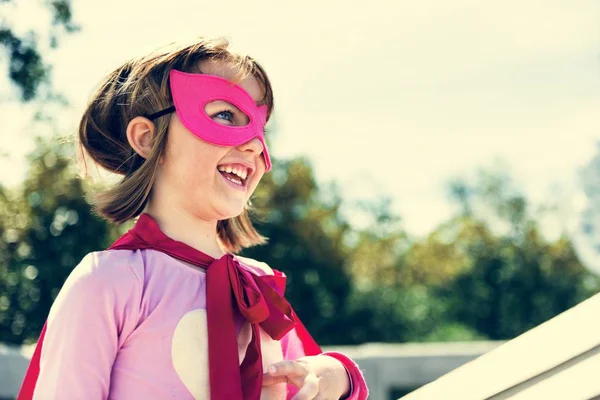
x,y
132,325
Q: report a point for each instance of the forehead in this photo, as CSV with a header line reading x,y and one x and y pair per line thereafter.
x,y
250,84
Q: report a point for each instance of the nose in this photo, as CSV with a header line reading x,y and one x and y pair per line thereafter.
x,y
255,146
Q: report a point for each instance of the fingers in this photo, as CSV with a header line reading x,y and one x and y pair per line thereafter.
x,y
285,371
309,390
287,368
269,380
306,373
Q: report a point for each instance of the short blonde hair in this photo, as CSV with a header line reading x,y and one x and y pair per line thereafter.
x,y
140,87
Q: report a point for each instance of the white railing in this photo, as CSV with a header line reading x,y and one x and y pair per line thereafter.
x,y
557,360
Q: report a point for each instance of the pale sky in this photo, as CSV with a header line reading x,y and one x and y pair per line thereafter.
x,y
385,97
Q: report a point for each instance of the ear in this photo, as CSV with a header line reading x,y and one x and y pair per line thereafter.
x,y
140,134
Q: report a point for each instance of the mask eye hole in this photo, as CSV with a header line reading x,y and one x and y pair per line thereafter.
x,y
225,113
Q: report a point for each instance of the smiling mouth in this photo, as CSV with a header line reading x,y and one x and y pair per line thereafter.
x,y
234,176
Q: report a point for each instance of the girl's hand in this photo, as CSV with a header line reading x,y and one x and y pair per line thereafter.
x,y
317,377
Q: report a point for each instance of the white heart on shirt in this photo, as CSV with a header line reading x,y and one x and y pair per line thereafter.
x,y
189,351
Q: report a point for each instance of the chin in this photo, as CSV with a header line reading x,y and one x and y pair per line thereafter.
x,y
231,212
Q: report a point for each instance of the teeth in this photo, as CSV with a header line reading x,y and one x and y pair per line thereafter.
x,y
242,172
234,180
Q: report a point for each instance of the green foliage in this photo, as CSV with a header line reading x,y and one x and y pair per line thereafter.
x,y
27,68
512,286
375,250
47,228
512,278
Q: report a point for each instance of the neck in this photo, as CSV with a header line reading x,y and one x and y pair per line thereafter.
x,y
184,227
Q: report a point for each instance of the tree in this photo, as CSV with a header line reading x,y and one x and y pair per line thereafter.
x,y
27,68
513,278
485,273
47,229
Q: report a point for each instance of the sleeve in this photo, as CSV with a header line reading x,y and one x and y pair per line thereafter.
x,y
293,349
86,321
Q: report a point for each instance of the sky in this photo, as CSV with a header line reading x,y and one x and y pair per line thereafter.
x,y
387,98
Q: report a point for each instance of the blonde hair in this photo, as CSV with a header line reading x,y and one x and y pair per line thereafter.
x,y
140,87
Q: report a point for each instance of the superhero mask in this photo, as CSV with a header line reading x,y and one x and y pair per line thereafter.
x,y
193,92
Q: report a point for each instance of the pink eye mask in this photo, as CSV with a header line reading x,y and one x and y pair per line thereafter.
x,y
192,92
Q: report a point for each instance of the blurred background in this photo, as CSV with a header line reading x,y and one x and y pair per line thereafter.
x,y
426,185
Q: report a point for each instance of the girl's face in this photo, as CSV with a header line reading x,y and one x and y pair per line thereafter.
x,y
208,181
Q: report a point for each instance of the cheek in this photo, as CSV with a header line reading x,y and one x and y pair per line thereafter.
x,y
257,177
195,159
187,168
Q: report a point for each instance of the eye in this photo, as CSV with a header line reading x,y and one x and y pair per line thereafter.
x,y
226,116
225,113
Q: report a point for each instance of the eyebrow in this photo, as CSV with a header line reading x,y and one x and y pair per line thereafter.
x,y
261,102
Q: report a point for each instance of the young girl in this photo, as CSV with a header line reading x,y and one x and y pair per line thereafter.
x,y
169,311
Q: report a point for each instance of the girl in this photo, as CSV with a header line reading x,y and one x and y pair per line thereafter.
x,y
169,310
